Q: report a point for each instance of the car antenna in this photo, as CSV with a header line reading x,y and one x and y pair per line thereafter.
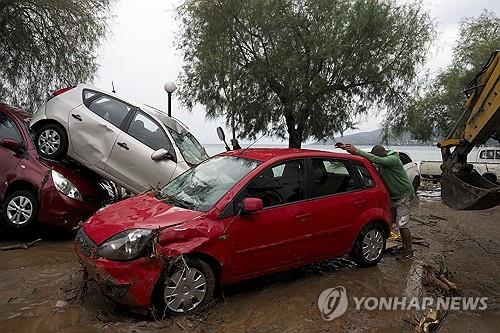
x,y
113,86
241,152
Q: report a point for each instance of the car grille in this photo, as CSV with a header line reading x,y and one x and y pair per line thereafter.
x,y
87,246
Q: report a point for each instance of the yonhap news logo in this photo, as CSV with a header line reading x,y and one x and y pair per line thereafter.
x,y
333,303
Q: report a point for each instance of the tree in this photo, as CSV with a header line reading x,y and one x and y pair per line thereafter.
x,y
436,107
299,68
46,45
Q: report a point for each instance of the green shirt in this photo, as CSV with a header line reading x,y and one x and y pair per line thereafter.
x,y
392,171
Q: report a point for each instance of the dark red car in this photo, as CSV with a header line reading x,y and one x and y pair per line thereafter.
x,y
236,216
36,190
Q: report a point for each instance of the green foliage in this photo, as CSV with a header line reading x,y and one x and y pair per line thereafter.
x,y
299,68
46,45
435,109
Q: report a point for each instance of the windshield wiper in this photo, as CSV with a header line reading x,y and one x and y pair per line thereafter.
x,y
179,202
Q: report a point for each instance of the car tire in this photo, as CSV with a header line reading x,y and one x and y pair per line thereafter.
x,y
199,288
51,141
20,210
369,246
416,183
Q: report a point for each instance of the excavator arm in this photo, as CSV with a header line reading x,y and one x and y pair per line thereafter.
x,y
462,187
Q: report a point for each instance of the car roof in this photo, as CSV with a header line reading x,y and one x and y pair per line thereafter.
x,y
15,112
267,154
161,116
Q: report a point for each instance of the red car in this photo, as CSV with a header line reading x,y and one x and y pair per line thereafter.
x,y
36,190
238,215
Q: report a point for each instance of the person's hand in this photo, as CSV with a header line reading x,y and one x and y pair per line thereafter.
x,y
350,149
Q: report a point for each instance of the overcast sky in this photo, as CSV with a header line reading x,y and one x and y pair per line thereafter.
x,y
139,54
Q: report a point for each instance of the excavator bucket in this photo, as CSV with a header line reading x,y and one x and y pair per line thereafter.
x,y
468,190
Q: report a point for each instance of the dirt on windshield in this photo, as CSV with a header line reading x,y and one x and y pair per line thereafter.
x,y
40,287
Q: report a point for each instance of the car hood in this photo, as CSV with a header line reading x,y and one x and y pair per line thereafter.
x,y
144,211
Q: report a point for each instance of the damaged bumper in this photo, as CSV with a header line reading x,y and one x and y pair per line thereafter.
x,y
126,282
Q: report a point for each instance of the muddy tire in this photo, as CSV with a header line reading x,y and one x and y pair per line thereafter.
x,y
185,289
369,246
51,141
20,210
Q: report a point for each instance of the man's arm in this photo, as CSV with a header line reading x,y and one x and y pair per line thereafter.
x,y
385,161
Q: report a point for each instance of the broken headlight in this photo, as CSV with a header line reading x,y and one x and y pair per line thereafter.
x,y
126,245
64,186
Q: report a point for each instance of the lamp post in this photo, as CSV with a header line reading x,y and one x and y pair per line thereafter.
x,y
169,88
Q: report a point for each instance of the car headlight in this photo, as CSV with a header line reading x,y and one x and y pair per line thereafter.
x,y
126,245
64,186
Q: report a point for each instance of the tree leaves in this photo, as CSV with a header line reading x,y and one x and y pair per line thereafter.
x,y
299,68
434,109
47,45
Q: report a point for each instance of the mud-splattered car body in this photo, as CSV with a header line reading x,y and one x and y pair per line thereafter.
x,y
237,244
25,170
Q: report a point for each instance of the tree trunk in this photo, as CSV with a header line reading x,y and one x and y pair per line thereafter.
x,y
294,136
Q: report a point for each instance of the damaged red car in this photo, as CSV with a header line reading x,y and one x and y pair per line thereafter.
x,y
35,190
238,215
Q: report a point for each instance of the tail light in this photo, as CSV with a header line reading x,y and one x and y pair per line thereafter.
x,y
59,92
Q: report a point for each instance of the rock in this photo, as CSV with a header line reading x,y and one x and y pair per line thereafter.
x,y
61,304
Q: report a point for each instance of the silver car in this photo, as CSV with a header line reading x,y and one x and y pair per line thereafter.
x,y
134,145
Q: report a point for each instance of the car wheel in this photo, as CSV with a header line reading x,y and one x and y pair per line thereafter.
x,y
187,288
51,141
20,209
416,183
490,177
369,246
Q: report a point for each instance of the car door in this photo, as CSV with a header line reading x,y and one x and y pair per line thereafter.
x,y
10,160
271,238
95,125
335,203
130,161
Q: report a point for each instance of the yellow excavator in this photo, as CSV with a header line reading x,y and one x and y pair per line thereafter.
x,y
462,187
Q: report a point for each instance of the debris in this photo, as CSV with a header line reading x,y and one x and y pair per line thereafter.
x,y
438,281
429,322
20,246
438,217
61,304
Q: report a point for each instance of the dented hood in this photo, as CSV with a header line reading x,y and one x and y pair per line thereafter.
x,y
144,211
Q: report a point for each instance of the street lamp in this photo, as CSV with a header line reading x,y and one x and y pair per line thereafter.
x,y
169,88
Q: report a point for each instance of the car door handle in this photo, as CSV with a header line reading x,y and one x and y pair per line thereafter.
x,y
123,145
76,116
303,216
360,201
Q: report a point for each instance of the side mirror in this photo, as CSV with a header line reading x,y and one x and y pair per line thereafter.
x,y
251,205
160,155
222,137
12,145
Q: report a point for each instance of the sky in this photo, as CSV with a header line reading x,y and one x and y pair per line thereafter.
x,y
139,55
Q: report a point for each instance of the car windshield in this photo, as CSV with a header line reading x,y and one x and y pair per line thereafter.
x,y
201,187
192,151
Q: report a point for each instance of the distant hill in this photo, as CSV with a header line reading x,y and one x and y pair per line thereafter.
x,y
375,138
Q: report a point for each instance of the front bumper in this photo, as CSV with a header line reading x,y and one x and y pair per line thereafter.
x,y
60,210
126,282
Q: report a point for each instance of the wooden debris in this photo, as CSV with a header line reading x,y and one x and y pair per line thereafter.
x,y
22,246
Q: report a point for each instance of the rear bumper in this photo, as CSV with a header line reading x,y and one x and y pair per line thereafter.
x,y
59,210
128,282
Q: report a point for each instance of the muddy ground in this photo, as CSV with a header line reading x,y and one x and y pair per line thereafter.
x,y
39,285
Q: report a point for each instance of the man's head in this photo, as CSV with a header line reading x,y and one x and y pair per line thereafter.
x,y
379,151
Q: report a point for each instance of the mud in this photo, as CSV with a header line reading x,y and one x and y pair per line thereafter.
x,y
32,281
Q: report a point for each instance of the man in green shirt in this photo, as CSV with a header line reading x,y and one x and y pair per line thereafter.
x,y
401,190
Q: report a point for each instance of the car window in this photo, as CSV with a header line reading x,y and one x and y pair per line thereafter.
x,y
365,176
277,185
192,151
405,159
331,177
149,132
8,129
201,187
88,94
498,155
487,154
110,109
